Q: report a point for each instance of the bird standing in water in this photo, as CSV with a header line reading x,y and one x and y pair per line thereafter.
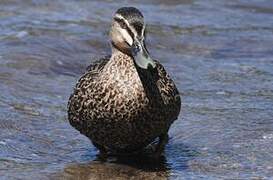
x,y
125,101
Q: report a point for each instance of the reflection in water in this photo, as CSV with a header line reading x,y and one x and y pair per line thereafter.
x,y
135,167
141,166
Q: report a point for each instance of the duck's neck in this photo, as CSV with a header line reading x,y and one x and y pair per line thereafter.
x,y
121,60
126,62
116,52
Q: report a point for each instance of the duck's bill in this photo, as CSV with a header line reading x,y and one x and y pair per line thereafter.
x,y
142,57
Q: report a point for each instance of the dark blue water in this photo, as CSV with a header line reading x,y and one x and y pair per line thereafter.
x,y
220,54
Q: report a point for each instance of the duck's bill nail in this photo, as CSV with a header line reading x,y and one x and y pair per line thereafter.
x,y
142,57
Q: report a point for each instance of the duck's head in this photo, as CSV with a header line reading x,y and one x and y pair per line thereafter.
x,y
128,36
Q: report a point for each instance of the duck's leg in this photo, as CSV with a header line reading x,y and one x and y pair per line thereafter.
x,y
163,140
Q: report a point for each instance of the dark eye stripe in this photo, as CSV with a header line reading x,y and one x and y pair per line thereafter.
x,y
123,25
138,27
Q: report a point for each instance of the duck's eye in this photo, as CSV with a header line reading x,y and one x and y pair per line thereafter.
x,y
122,24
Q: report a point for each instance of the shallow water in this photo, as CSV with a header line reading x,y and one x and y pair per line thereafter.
x,y
220,54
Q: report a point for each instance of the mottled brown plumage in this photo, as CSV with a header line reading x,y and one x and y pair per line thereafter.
x,y
122,107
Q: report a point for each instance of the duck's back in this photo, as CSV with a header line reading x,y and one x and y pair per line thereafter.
x,y
121,107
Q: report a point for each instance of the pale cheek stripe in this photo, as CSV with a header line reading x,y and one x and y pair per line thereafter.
x,y
126,36
143,29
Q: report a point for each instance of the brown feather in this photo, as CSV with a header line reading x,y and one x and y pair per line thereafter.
x,y
121,107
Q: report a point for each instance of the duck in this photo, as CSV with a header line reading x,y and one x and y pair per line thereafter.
x,y
125,101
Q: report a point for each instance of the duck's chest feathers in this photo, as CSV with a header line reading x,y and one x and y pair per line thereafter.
x,y
120,81
120,75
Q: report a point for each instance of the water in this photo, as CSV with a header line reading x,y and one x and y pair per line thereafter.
x,y
220,54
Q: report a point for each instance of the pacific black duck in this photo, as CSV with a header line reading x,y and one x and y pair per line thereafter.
x,y
125,101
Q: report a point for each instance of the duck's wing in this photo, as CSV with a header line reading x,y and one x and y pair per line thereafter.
x,y
168,90
76,103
